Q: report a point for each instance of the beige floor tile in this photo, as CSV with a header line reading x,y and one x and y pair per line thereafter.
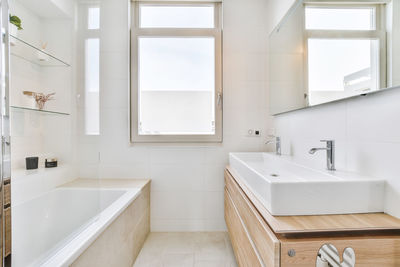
x,y
178,260
212,263
211,246
186,249
147,262
230,252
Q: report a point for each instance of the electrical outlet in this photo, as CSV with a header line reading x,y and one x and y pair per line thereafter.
x,y
253,133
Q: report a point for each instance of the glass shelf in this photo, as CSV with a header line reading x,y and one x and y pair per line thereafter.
x,y
26,51
40,111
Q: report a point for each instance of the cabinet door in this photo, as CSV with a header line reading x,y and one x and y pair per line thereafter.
x,y
245,254
369,251
264,239
7,235
7,192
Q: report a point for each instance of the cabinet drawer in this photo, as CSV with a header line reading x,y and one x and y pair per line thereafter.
x,y
265,241
7,222
7,194
369,251
242,246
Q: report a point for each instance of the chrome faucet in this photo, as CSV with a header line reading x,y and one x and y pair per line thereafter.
x,y
330,153
277,143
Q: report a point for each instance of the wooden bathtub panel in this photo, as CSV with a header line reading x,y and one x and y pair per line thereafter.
x,y
122,241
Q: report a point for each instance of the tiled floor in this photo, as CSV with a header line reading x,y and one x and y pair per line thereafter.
x,y
186,250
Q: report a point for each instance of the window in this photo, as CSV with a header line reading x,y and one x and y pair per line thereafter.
x,y
92,86
176,16
345,50
93,18
89,45
319,18
176,85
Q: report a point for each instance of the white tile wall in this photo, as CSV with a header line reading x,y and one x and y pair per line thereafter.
x,y
187,187
39,134
367,131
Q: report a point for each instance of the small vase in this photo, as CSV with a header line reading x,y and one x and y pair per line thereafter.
x,y
42,56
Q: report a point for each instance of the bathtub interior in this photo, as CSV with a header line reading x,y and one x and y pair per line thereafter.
x,y
43,225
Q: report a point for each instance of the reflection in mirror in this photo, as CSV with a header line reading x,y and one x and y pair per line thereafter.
x,y
328,256
321,53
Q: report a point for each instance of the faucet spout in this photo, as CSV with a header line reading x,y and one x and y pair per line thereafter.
x,y
277,143
313,150
330,153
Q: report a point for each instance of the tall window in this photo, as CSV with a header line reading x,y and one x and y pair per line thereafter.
x,y
89,39
176,90
346,49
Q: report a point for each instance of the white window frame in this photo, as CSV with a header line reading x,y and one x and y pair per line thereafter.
x,y
379,33
137,32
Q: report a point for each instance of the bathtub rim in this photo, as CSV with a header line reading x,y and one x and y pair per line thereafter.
x,y
78,244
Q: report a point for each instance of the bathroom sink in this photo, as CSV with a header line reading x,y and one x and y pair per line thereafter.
x,y
287,188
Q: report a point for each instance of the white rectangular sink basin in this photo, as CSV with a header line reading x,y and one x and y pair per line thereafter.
x,y
286,188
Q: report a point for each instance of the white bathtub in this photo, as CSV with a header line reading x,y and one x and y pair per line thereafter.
x,y
55,228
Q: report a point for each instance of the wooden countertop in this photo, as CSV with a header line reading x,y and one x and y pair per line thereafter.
x,y
107,183
320,223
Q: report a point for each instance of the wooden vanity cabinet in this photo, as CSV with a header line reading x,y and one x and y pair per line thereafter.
x,y
260,239
7,216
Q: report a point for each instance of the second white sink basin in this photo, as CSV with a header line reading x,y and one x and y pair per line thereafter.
x,y
287,188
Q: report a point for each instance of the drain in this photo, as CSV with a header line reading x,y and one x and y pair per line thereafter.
x,y
274,175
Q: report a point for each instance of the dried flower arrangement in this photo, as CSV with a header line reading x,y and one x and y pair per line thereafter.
x,y
40,98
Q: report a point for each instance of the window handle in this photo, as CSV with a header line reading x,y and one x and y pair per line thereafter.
x,y
219,99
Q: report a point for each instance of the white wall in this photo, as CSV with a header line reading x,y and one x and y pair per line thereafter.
x,y
187,181
367,131
34,133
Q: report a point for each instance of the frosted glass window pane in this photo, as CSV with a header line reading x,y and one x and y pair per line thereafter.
x,y
176,86
93,18
340,18
177,17
92,86
342,65
92,72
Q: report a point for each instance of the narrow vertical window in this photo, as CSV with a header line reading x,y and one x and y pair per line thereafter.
x,y
92,86
94,18
90,74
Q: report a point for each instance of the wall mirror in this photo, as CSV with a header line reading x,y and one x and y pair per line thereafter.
x,y
323,51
